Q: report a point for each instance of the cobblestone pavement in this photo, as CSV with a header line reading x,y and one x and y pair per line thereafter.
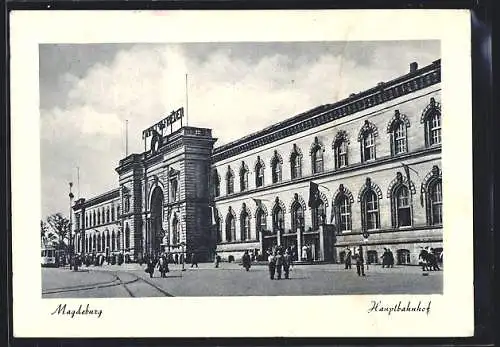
x,y
130,280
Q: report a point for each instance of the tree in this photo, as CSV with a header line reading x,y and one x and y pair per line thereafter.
x,y
48,237
60,227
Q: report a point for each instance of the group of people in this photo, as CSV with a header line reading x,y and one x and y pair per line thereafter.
x,y
160,262
387,258
429,260
279,261
358,257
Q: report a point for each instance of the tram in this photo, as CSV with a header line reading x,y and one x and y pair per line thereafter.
x,y
49,256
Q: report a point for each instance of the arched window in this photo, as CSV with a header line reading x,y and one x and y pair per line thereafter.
x,y
278,218
113,241
86,220
94,246
99,243
218,227
229,181
259,174
107,215
296,163
127,236
401,206
244,226
276,169
340,153
86,244
297,217
318,214
261,222
112,213
343,210
398,138
118,240
106,243
230,228
103,247
175,230
98,216
435,202
118,211
368,146
403,256
216,183
243,177
317,159
434,125
370,210
126,205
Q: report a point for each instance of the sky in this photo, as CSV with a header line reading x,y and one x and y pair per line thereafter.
x,y
89,91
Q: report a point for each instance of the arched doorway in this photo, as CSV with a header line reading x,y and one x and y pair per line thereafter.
x,y
155,234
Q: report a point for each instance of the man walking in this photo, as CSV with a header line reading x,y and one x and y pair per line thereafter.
x,y
287,261
194,261
279,264
360,267
272,265
348,258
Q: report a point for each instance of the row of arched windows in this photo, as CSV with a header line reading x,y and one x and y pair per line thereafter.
x,y
99,242
397,129
102,215
341,216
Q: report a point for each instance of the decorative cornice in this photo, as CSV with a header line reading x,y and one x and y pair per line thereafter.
x,y
383,92
106,196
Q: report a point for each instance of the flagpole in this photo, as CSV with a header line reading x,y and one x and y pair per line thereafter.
x,y
78,180
126,137
187,102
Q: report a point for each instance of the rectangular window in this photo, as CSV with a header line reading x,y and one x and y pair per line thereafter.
x,y
174,189
369,147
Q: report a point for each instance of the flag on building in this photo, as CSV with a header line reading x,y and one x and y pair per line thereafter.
x,y
213,216
258,202
313,194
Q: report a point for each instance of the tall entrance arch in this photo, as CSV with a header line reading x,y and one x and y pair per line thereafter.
x,y
155,234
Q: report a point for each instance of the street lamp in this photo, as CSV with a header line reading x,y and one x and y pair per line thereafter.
x,y
183,244
71,241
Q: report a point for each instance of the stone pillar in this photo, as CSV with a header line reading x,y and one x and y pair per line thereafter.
x,y
278,237
261,241
321,243
299,244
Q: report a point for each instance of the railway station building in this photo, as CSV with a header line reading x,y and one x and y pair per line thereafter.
x,y
365,170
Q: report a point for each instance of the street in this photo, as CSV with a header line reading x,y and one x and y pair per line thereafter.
x,y
130,280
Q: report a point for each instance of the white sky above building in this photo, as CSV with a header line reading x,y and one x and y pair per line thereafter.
x,y
88,91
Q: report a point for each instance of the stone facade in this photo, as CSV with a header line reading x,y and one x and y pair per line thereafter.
x,y
376,158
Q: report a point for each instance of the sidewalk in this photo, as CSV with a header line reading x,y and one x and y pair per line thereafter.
x,y
374,268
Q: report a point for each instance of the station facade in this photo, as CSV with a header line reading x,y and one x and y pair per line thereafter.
x,y
362,171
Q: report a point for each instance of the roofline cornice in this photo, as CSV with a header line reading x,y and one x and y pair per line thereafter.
x,y
383,92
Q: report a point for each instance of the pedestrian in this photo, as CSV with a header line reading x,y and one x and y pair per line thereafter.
x,y
194,261
391,257
176,258
385,258
360,267
304,253
272,264
348,258
279,264
433,260
423,259
246,260
150,267
287,262
217,260
163,265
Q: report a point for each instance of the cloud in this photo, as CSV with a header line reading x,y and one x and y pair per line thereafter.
x,y
230,94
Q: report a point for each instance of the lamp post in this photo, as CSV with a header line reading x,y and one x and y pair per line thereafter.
x,y
71,241
183,256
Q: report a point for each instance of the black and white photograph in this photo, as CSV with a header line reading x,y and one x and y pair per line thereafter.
x,y
278,176
255,176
